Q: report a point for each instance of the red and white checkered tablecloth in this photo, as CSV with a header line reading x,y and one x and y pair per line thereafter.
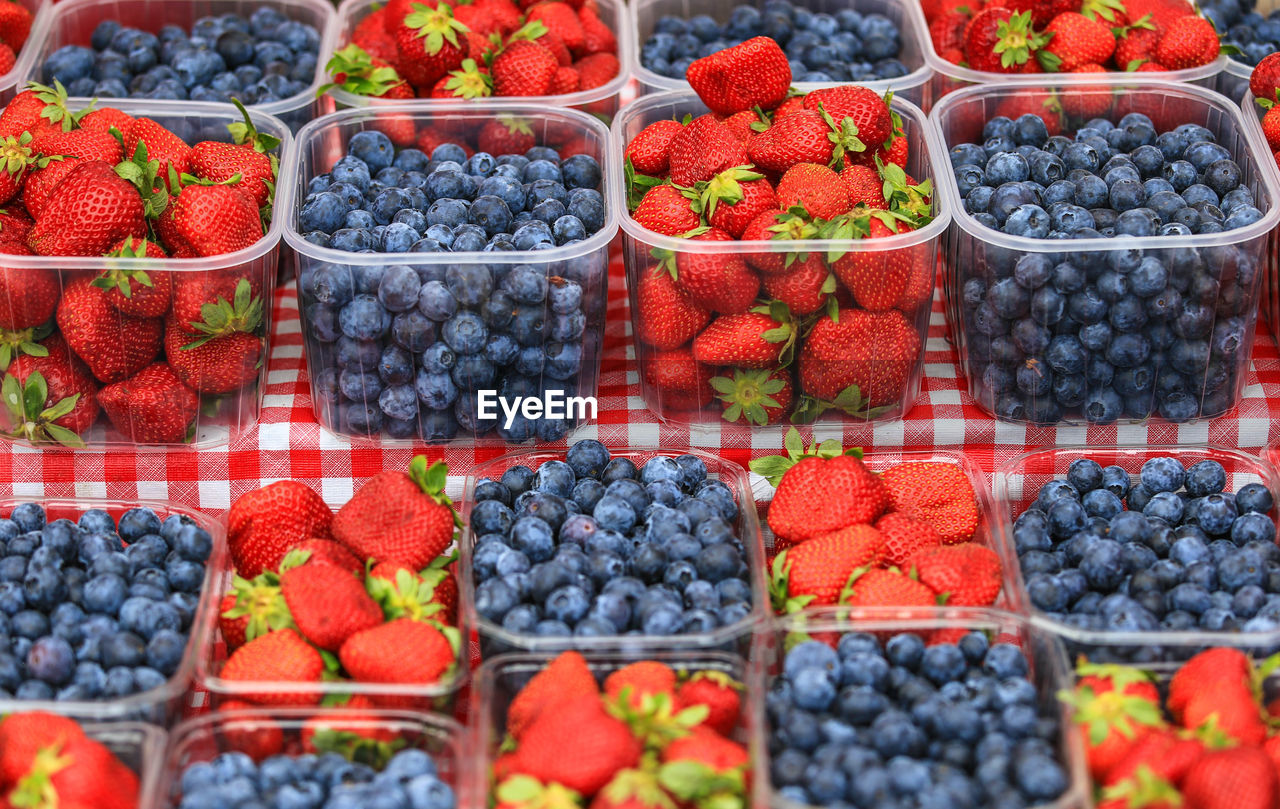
x,y
289,443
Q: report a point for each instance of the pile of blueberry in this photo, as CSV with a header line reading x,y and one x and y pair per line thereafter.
x,y
93,610
410,780
1257,36
946,726
845,46
593,546
380,200
1121,179
1172,551
266,57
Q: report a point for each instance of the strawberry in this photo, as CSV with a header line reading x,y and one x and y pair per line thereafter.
x,y
1239,778
815,188
1114,723
357,734
865,187
876,587
632,789
28,295
1142,790
1271,127
874,353
648,150
252,731
947,32
1264,81
103,120
327,603
935,492
741,123
565,677
17,155
264,524
524,68
80,773
87,213
1203,670
560,19
639,680
681,382
551,42
276,657
803,288
357,71
1162,12
602,745
1162,753
23,734
755,73
215,219
220,162
999,41
877,279
399,517
1074,41
789,105
1102,678
904,536
506,134
667,210
798,138
113,345
15,25
668,318
27,111
748,340
704,746
251,609
1033,102
1086,102
718,692
427,42
702,150
58,401
770,225
1136,45
1229,707
402,651
756,397
1189,41
734,197
371,34
40,181
596,70
85,144
718,281
137,293
225,353
813,572
402,593
862,117
966,575
565,80
596,36
171,151
152,406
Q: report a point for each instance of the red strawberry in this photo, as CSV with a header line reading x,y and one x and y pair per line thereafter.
x,y
747,340
40,181
162,145
561,20
1239,778
113,345
1190,41
24,733
1142,790
734,197
85,144
399,517
214,219
15,25
648,150
27,111
872,120
873,352
1231,708
276,657
554,44
69,405
1086,102
1205,669
877,279
999,41
1102,678
357,71
665,209
628,789
966,575
402,651
719,281
1074,41
152,406
523,68
327,603
803,287
428,43
402,593
220,162
602,745
865,187
28,295
813,572
756,397
565,677
947,31
815,188
225,352
797,138
1163,12
137,293
102,120
251,609
681,383
264,524
596,36
886,588
667,317
1271,128
704,746
904,536
566,80
1164,753
78,774
252,732
87,213
935,492
1264,81
1135,46
755,73
770,225
702,150
507,134
719,693
639,680
371,34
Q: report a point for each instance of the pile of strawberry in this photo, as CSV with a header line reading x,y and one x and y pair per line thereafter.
x,y
15,25
143,346
1209,743
845,535
1264,84
766,164
1071,36
648,738
47,762
366,594
408,49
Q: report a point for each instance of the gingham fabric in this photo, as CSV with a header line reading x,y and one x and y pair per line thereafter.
x,y
289,443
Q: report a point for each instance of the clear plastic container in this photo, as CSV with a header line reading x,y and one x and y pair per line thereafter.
x,y
495,640
906,14
10,82
641,244
976,256
1271,277
159,706
220,417
1016,485
499,680
1050,671
203,738
322,142
71,22
140,747
602,101
989,519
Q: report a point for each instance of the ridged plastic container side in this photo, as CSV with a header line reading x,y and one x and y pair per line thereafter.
x,y
1016,485
1050,672
1270,291
140,747
495,640
159,706
71,22
989,518
203,738
1228,264
499,680
221,416
906,14
320,145
602,101
643,251
10,82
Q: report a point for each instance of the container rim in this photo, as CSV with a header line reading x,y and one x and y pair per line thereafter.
x,y
350,11
749,531
899,241
1000,480
1266,170
59,9
175,686
911,15
288,198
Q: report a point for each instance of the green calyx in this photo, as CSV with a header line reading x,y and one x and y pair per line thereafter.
x,y
243,131
845,137
24,407
409,596
469,82
356,747
432,480
36,790
773,467
725,187
436,26
1016,40
123,280
144,173
693,782
850,401
259,600
654,718
746,395
527,792
353,70
55,100
23,341
909,200
637,184
223,317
